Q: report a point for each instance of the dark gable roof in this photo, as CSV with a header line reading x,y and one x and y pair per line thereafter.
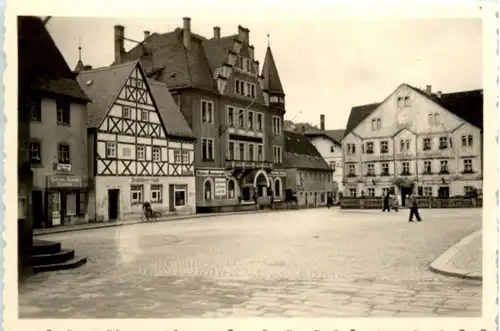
x,y
217,50
334,135
301,153
41,65
467,105
272,82
164,58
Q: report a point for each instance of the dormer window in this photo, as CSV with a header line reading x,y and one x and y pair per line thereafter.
x,y
245,89
404,101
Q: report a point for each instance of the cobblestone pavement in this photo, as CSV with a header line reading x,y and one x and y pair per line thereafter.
x,y
307,263
469,257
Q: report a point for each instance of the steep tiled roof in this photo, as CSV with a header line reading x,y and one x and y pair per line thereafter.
x,y
103,86
358,114
335,135
272,82
217,50
301,153
41,65
165,55
170,114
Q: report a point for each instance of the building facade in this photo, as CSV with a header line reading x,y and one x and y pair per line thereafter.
x,y
235,112
140,147
54,133
308,176
329,145
415,141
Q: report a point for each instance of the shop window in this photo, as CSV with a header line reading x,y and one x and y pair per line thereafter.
x,y
136,194
180,195
231,194
156,193
207,189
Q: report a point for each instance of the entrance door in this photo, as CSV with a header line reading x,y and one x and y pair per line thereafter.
x,y
37,209
113,204
171,197
56,208
404,192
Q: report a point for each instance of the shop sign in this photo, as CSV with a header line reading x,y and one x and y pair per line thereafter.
x,y
220,187
386,157
143,180
187,172
62,167
64,181
211,173
278,174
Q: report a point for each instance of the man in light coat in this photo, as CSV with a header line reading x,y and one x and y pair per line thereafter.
x,y
413,205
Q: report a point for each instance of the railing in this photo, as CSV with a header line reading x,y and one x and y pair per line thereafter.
x,y
248,164
423,202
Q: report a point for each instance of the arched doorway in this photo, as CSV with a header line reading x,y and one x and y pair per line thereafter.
x,y
207,189
277,188
261,184
231,189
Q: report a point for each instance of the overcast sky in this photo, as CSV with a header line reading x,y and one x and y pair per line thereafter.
x,y
326,66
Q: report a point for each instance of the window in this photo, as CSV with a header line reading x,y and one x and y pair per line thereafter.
x,y
231,191
136,192
156,193
207,149
185,156
110,149
277,188
126,112
144,115
369,147
406,168
443,167
63,116
63,154
444,192
276,125
468,165
242,151
404,101
241,119
230,151
443,142
385,169
259,122
35,153
384,146
376,124
252,91
250,120
260,157
352,169
180,195
332,165
469,191
141,152
207,115
251,152
156,151
230,116
404,145
244,88
81,203
428,191
35,109
427,167
332,149
427,144
434,119
467,141
277,154
407,101
352,192
371,169
351,149
371,192
177,156
207,189
385,191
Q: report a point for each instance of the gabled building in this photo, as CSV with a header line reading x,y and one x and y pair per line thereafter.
x,y
329,145
52,117
235,112
140,146
415,141
308,176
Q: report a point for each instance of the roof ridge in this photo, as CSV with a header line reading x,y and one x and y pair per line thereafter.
x,y
104,68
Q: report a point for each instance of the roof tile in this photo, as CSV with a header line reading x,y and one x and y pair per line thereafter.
x,y
301,153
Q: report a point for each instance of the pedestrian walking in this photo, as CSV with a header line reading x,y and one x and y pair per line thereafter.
x,y
329,200
412,203
394,203
386,203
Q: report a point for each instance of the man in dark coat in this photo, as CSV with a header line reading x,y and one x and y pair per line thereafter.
x,y
387,205
412,203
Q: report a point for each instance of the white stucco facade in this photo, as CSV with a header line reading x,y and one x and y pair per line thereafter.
x,y
331,151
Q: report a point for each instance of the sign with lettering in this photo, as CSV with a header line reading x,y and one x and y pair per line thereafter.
x,y
278,174
62,167
211,173
64,181
143,180
220,187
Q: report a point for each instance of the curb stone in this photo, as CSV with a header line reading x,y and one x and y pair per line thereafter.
x,y
441,265
131,222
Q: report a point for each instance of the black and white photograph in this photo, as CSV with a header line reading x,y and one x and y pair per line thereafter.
x,y
214,165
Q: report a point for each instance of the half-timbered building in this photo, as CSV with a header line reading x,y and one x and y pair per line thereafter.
x,y
235,110
140,147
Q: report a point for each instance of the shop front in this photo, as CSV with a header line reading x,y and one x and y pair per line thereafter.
x,y
65,200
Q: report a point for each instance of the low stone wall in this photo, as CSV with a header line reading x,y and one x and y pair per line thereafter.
x,y
377,203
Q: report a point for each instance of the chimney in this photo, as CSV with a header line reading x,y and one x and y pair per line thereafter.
x,y
186,32
428,88
216,32
322,122
243,34
146,34
439,93
119,43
